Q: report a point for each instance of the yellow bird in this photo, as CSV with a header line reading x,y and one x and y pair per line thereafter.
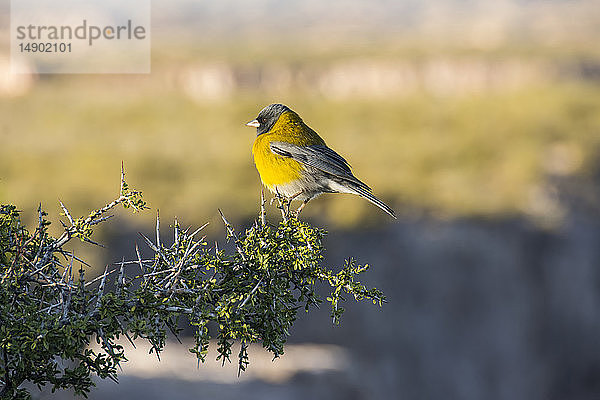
x,y
294,162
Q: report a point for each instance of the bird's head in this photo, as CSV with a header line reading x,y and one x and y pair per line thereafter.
x,y
267,117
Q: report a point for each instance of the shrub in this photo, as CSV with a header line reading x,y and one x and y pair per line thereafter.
x,y
50,313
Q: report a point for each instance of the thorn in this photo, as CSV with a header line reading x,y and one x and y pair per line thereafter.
x,y
101,288
122,177
99,220
262,206
158,229
176,233
120,278
96,279
66,212
250,294
137,251
88,240
149,243
199,229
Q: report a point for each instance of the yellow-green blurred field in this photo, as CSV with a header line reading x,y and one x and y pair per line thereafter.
x,y
456,133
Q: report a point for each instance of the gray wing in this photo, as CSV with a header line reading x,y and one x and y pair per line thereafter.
x,y
319,157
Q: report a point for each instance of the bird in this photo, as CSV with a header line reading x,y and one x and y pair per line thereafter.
x,y
294,162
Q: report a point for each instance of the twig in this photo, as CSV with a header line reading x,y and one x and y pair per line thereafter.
x,y
251,293
232,234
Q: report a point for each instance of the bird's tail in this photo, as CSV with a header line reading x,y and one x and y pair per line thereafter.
x,y
365,193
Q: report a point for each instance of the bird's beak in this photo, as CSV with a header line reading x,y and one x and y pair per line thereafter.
x,y
253,123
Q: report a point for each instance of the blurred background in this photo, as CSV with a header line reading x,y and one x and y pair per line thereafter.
x,y
477,121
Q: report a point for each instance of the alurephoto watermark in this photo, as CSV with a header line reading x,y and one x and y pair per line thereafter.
x,y
74,36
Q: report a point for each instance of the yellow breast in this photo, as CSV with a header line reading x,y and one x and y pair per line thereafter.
x,y
274,169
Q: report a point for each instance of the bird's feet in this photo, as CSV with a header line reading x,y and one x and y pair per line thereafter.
x,y
283,203
286,202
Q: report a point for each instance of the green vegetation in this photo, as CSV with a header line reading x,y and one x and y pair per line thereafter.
x,y
49,313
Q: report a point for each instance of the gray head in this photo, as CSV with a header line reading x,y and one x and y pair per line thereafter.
x,y
267,118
